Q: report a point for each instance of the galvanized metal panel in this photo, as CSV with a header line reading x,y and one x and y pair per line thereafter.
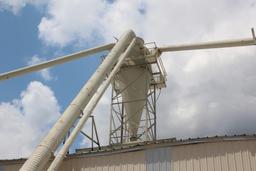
x,y
221,156
1,168
131,161
10,167
158,159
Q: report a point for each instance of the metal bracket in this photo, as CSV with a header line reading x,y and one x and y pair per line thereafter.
x,y
93,131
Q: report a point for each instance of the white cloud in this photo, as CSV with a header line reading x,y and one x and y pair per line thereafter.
x,y
45,73
83,21
210,92
24,121
68,21
16,5
213,98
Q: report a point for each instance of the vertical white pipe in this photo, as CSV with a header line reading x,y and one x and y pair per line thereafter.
x,y
41,155
88,110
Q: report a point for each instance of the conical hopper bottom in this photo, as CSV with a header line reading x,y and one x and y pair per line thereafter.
x,y
133,83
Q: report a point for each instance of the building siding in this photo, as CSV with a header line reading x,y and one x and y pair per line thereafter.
x,y
158,159
221,156
211,156
130,161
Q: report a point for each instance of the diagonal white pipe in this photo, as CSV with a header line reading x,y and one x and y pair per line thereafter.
x,y
89,109
39,158
57,61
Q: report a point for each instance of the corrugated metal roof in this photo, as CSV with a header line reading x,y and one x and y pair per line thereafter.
x,y
222,153
105,150
159,143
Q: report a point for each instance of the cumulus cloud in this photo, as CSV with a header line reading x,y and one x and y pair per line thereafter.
x,y
212,96
208,92
92,20
45,73
161,21
24,121
67,22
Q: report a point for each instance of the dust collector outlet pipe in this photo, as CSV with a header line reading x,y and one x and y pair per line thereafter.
x,y
57,61
209,45
41,155
88,110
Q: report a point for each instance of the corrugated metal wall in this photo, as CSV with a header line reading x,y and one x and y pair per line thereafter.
x,y
158,159
10,167
214,156
130,161
222,156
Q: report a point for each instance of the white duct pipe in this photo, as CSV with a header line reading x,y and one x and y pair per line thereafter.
x,y
209,45
88,110
59,60
41,155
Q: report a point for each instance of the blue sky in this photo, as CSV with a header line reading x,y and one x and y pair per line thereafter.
x,y
211,92
19,43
